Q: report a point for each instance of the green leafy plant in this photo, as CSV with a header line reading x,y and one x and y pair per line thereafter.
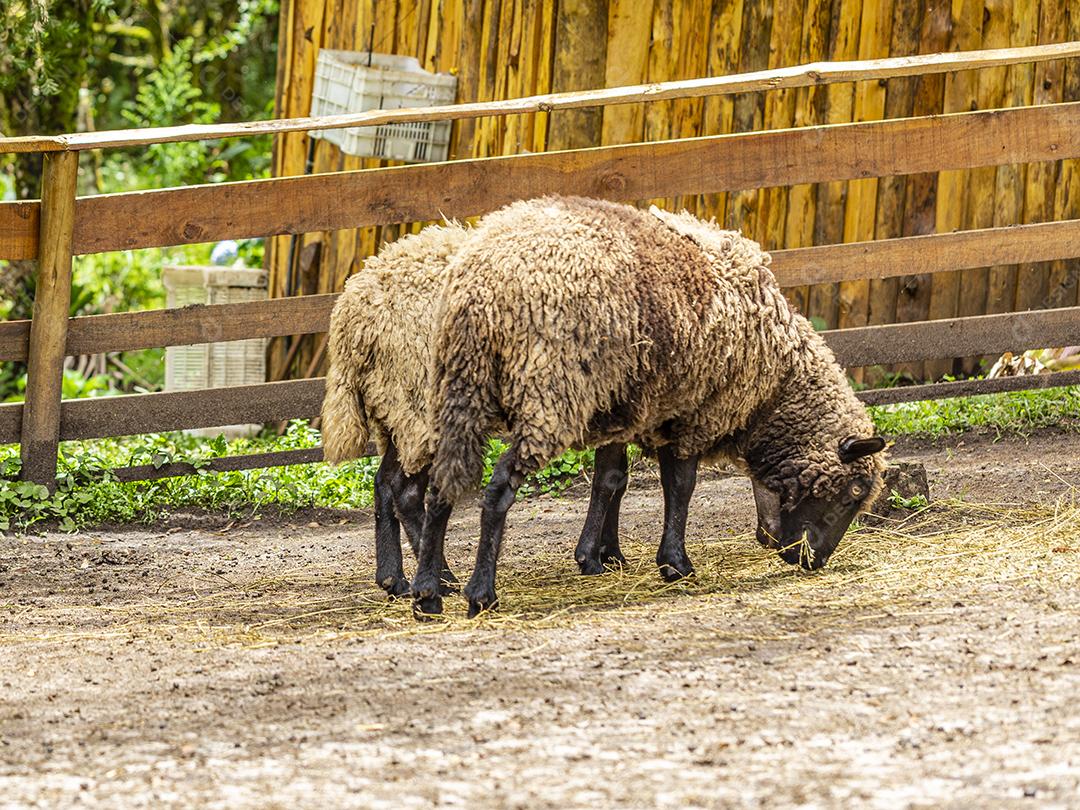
x,y
169,93
89,494
915,502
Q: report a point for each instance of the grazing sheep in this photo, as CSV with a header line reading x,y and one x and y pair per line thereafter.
x,y
580,322
377,386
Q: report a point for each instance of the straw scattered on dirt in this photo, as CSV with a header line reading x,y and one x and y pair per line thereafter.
x,y
254,664
887,567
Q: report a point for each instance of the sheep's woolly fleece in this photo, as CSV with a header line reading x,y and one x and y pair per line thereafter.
x,y
583,322
379,350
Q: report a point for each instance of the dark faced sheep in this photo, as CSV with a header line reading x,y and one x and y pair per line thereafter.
x,y
579,323
377,389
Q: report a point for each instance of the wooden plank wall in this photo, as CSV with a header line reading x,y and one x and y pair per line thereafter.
x,y
507,48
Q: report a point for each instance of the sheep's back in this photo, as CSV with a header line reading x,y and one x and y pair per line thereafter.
x,y
599,322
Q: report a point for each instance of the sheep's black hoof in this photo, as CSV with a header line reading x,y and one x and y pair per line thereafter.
x,y
395,586
612,558
674,567
481,600
427,607
590,566
448,583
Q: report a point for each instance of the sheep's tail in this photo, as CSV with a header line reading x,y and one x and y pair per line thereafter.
x,y
465,409
344,429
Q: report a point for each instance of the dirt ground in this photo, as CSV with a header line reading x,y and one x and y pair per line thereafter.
x,y
252,663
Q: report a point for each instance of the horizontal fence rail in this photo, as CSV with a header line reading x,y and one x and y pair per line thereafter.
x,y
296,399
979,334
465,188
816,73
252,461
181,326
967,388
932,253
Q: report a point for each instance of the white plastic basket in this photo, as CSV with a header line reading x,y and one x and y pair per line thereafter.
x,y
215,365
344,84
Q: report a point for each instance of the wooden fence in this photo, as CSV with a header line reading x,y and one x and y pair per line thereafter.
x,y
505,48
61,225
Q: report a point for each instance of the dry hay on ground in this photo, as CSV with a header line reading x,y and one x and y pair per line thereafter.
x,y
881,570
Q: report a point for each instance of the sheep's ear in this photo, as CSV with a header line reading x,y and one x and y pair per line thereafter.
x,y
853,447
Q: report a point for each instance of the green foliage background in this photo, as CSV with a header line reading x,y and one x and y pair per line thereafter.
x,y
75,65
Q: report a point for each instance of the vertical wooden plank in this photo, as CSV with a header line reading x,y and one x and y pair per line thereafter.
x,y
629,30
354,245
691,61
749,113
785,45
469,74
974,282
277,247
528,69
802,199
1065,275
579,64
305,38
314,250
913,302
502,75
423,20
447,19
891,191
545,50
1032,289
661,44
846,16
386,15
48,329
961,94
484,144
725,50
691,19
339,247
980,192
859,214
1010,180
516,75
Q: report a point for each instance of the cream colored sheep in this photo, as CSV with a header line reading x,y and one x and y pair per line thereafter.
x,y
377,389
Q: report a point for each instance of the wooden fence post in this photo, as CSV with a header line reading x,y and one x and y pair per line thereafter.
x,y
48,329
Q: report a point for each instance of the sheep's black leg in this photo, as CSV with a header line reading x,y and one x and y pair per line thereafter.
x,y
427,585
409,493
678,477
388,568
498,497
610,553
609,478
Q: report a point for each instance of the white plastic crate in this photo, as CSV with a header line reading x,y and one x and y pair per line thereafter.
x,y
345,84
215,365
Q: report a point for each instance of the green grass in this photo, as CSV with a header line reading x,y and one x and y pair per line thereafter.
x,y
1016,413
88,495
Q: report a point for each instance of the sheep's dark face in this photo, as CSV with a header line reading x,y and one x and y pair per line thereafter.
x,y
805,523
